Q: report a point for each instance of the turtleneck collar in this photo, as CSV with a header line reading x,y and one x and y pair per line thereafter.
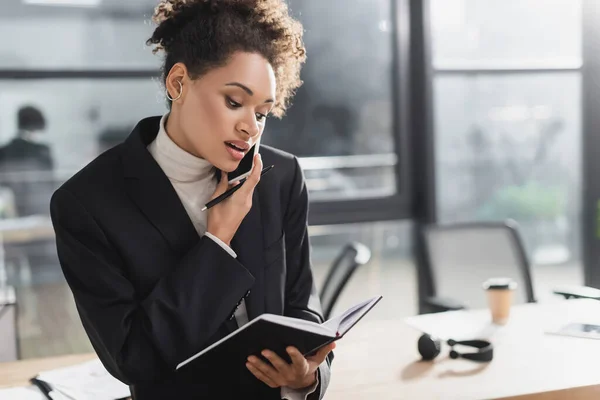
x,y
178,164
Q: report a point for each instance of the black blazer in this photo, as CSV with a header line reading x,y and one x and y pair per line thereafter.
x,y
151,292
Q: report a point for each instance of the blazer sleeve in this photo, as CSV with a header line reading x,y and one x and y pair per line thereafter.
x,y
301,297
143,339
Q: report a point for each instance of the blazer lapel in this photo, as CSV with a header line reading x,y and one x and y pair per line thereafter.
x,y
248,243
152,191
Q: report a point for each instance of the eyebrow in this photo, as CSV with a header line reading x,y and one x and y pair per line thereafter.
x,y
246,89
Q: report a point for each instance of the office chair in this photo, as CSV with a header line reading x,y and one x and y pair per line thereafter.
x,y
350,258
455,259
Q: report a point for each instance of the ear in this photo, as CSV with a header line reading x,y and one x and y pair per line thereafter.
x,y
177,75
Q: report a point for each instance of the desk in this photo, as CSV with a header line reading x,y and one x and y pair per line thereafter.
x,y
379,360
18,373
26,229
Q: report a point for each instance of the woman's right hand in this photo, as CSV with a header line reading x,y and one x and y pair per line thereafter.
x,y
225,218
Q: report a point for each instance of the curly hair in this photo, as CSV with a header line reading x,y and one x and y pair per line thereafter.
x,y
203,34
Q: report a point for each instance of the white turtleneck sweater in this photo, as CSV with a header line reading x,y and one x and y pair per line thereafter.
x,y
192,179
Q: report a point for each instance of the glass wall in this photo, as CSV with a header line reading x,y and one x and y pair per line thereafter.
x,y
345,106
507,99
341,122
498,35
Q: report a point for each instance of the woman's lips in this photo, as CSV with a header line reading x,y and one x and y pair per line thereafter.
x,y
235,154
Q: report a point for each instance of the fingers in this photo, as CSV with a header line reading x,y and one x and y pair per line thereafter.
x,y
299,363
262,371
261,375
322,353
222,186
254,177
296,356
280,365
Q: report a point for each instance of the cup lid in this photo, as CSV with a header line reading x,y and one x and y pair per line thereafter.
x,y
499,283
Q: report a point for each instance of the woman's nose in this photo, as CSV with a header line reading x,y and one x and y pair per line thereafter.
x,y
250,129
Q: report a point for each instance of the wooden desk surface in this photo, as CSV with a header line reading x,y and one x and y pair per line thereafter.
x,y
18,373
26,229
379,360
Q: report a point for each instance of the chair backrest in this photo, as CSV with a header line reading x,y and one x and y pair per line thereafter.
x,y
349,259
456,259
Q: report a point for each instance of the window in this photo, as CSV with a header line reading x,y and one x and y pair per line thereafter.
x,y
507,95
108,37
83,116
506,34
341,122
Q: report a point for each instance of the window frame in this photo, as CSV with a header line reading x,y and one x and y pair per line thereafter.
x,y
590,212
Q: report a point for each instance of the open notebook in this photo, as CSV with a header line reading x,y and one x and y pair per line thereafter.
x,y
276,333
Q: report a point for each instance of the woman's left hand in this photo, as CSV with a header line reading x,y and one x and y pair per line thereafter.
x,y
301,373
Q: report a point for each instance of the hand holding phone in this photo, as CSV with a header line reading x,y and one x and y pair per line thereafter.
x,y
225,218
229,192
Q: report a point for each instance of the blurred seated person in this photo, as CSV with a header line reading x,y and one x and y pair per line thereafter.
x,y
26,164
25,151
26,170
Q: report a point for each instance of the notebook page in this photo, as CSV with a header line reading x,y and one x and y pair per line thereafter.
x,y
343,321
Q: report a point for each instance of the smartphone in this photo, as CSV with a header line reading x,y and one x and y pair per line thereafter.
x,y
579,330
245,166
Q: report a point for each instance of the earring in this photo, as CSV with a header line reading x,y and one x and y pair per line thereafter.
x,y
180,92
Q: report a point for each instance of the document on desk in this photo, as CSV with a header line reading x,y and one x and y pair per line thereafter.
x,y
457,325
90,381
21,393
577,329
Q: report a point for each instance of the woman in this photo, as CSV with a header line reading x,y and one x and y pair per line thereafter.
x,y
154,278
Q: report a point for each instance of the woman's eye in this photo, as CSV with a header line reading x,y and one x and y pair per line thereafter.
x,y
260,117
232,103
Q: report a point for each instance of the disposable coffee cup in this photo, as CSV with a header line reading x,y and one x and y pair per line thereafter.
x,y
500,297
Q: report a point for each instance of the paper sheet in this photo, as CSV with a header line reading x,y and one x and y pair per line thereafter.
x,y
457,325
87,381
21,393
577,329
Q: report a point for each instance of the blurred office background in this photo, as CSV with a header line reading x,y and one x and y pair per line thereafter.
x,y
411,112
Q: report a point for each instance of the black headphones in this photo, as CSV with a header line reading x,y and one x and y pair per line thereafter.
x,y
430,347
